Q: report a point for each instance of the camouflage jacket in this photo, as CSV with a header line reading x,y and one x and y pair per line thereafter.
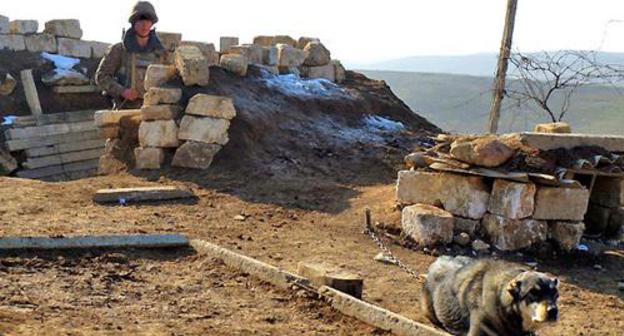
x,y
114,74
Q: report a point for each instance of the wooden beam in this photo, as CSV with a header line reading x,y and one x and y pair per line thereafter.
x,y
140,194
75,89
66,147
30,90
48,130
64,158
15,145
58,170
89,242
501,71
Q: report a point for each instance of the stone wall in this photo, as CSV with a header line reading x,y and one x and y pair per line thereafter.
x,y
61,37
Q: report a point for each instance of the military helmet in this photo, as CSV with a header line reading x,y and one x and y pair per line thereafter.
x,y
143,9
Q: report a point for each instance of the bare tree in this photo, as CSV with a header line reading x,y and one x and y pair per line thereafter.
x,y
549,80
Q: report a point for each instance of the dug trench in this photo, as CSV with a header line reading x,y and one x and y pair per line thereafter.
x,y
291,186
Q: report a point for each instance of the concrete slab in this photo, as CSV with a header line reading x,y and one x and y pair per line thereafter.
x,y
546,141
140,194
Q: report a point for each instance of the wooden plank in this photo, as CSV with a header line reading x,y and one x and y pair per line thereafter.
x,y
48,130
71,175
15,145
30,90
140,194
54,118
65,148
112,117
75,89
377,316
64,158
57,170
90,242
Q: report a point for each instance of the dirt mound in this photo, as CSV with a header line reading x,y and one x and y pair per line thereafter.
x,y
15,104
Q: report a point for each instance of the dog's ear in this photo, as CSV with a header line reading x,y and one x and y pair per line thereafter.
x,y
514,288
554,283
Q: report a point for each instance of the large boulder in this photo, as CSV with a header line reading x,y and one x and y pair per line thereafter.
x,y
192,66
12,42
157,75
149,157
253,53
486,151
427,225
234,63
211,106
514,234
160,112
264,41
339,72
204,129
64,28
466,225
170,41
160,95
158,133
561,203
567,235
196,155
303,41
23,27
465,196
73,47
325,71
225,42
512,200
316,54
289,56
40,43
207,49
558,127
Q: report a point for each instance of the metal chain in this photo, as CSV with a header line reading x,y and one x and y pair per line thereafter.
x,y
368,229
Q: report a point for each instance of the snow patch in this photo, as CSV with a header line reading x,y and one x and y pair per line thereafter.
x,y
383,124
293,85
61,62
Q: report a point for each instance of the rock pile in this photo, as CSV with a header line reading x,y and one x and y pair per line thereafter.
x,y
61,37
477,198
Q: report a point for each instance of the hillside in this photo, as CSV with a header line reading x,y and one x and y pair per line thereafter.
x,y
461,103
483,64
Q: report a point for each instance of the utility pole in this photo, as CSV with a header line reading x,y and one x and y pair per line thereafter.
x,y
501,71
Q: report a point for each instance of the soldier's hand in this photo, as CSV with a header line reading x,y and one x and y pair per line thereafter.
x,y
130,94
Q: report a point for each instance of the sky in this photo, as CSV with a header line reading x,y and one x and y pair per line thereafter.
x,y
359,32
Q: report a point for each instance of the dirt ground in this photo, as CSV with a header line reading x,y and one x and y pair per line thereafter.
x,y
178,292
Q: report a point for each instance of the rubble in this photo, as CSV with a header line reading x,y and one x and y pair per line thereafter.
x,y
427,225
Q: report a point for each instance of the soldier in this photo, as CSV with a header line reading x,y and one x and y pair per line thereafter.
x,y
122,70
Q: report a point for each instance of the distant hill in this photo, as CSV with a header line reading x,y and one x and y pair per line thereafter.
x,y
475,65
461,103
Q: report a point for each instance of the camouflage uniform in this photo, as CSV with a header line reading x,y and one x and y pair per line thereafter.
x,y
114,74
